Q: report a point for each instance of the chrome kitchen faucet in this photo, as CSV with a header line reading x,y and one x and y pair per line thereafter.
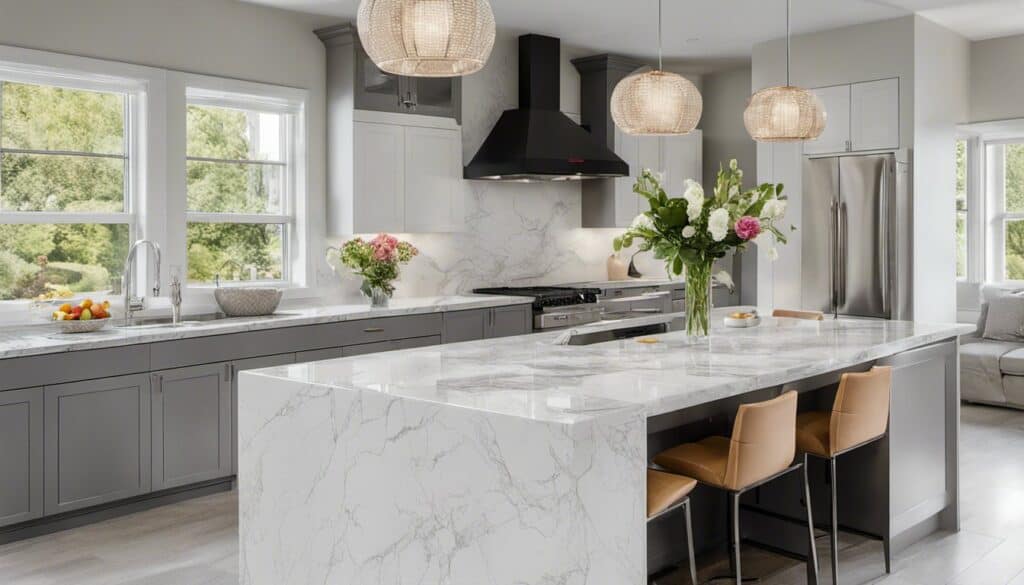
x,y
131,302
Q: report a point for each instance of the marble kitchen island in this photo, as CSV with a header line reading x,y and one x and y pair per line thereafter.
x,y
519,460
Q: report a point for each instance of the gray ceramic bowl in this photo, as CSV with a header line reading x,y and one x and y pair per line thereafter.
x,y
248,301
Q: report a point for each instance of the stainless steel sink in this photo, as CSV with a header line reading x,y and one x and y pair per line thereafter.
x,y
186,321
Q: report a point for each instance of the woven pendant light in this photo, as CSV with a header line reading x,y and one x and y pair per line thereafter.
x,y
427,38
656,103
785,113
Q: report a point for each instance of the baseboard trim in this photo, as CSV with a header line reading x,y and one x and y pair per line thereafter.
x,y
59,522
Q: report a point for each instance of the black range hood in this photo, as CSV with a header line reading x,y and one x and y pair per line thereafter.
x,y
537,142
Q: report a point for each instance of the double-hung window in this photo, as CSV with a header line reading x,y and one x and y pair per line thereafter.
x,y
240,187
66,183
1005,182
962,205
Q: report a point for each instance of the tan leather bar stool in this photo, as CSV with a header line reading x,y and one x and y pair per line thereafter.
x,y
808,315
761,449
666,493
859,416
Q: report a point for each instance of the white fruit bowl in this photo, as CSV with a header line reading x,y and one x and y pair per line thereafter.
x,y
80,326
248,301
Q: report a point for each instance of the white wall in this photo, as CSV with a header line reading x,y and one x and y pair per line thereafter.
x,y
941,101
996,82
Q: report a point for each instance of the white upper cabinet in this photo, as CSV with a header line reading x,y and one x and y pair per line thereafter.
x,y
861,117
875,115
407,177
680,160
378,193
675,158
836,137
433,180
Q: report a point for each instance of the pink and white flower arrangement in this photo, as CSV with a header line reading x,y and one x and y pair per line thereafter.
x,y
692,231
377,261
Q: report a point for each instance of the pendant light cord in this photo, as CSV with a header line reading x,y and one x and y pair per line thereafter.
x,y
789,6
659,36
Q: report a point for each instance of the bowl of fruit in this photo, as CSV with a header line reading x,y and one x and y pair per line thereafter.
x,y
741,319
84,317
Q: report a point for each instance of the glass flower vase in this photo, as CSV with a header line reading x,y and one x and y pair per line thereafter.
x,y
698,299
377,295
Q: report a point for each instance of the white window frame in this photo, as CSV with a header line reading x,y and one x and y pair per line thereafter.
x,y
998,216
290,104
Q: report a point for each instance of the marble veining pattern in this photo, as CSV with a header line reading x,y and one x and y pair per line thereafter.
x,y
45,339
363,487
529,377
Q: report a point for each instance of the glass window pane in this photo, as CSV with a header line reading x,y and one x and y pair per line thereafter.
x,y
37,117
235,187
1014,250
1014,182
229,134
235,251
46,182
961,175
961,245
38,258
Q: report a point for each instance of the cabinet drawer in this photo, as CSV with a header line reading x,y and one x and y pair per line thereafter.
x,y
70,366
389,328
392,345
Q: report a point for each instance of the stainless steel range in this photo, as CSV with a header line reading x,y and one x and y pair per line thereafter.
x,y
556,306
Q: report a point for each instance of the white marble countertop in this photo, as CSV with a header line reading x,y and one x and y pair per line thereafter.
x,y
531,377
46,339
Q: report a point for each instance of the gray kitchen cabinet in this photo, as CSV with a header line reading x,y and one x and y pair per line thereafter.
x,y
508,321
466,325
191,425
316,355
233,369
96,442
392,345
21,455
385,92
487,323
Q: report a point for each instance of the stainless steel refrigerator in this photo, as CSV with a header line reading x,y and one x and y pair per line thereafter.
x,y
856,235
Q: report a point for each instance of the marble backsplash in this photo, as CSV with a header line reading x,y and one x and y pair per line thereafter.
x,y
516,234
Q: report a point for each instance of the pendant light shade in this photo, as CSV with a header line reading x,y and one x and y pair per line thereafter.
x,y
427,38
656,103
785,113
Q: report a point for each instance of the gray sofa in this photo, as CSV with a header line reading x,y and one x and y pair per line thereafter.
x,y
992,371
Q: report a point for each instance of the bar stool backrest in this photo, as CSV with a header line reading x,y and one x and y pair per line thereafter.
x,y
861,408
763,441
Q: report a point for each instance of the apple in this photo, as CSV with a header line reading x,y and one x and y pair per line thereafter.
x,y
65,308
87,303
86,315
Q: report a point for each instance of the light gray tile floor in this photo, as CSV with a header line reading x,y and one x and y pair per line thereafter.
x,y
195,542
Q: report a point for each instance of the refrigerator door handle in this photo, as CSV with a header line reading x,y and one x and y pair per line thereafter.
x,y
883,235
833,265
843,253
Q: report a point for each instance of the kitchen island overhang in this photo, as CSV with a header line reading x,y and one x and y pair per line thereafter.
x,y
517,461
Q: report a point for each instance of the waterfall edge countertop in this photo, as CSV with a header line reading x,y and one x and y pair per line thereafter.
x,y
46,339
531,377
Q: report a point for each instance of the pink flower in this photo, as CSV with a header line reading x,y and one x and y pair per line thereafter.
x,y
747,227
384,247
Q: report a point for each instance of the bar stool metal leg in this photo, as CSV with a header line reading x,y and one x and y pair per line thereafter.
x,y
834,538
812,550
689,542
734,505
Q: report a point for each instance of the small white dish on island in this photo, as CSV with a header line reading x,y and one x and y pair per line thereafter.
x,y
742,319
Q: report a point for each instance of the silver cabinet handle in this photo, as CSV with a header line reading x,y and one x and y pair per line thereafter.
x,y
158,383
373,330
228,372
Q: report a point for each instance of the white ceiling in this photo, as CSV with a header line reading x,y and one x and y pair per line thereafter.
x,y
709,29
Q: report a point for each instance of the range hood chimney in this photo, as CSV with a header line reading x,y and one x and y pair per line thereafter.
x,y
536,141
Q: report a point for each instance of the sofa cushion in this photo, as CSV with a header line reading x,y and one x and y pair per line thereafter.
x,y
1004,318
980,376
1012,363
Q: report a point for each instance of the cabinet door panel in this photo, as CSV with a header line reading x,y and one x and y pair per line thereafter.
x,y
191,425
436,96
466,325
249,364
21,455
627,203
875,115
375,89
433,180
396,344
97,442
507,321
648,155
379,186
316,355
682,159
836,100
